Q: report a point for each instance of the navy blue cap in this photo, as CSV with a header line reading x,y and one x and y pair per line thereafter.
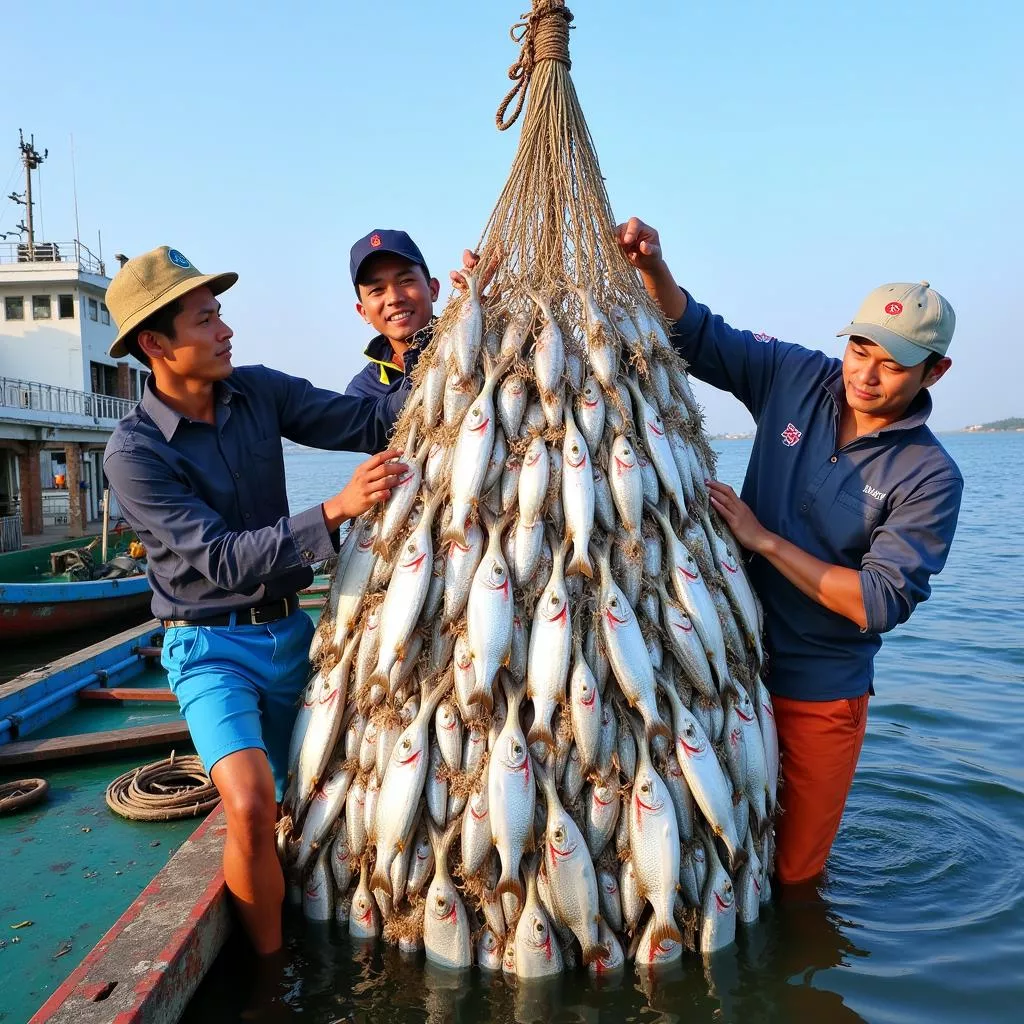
x,y
384,240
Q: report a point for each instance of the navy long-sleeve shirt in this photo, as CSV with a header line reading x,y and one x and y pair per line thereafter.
x,y
209,501
382,375
886,504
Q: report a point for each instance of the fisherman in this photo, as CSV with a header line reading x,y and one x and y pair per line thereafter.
x,y
198,470
848,508
395,295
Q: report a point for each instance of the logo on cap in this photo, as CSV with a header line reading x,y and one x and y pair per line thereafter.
x,y
178,260
791,435
375,241
894,308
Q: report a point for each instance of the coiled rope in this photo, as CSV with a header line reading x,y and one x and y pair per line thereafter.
x,y
543,34
177,787
22,793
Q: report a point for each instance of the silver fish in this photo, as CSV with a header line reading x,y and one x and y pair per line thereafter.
x,y
527,546
577,496
615,958
400,505
585,710
467,332
625,326
682,798
512,404
510,480
657,950
596,658
663,388
534,422
370,806
627,754
603,806
434,380
318,892
460,564
306,704
548,664
649,476
602,346
678,447
548,351
537,954
629,571
352,588
436,785
519,653
609,736
516,332
690,891
611,902
436,466
685,644
341,860
327,803
476,829
742,728
421,862
718,912
446,934
748,886
574,368
573,782
388,731
459,393
496,463
442,646
533,481
629,893
626,485
511,796
604,507
590,412
489,617
448,730
368,746
704,774
658,448
465,676
554,500
474,748
488,950
770,737
741,594
363,921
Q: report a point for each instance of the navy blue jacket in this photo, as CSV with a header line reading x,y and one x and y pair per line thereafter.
x,y
885,504
381,376
209,501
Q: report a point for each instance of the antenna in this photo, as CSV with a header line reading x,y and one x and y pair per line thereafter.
x,y
74,189
31,158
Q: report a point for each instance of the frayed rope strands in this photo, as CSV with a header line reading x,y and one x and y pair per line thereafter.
x,y
177,787
543,34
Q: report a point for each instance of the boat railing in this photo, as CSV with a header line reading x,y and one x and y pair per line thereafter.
x,y
10,533
53,252
48,398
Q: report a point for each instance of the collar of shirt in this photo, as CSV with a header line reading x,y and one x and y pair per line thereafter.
x,y
380,351
168,419
916,415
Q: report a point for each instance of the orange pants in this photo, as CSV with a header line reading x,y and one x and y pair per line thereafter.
x,y
819,742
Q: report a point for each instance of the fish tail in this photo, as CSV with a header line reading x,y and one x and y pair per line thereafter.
x,y
540,732
380,880
581,566
665,931
382,548
656,727
483,696
737,859
378,678
456,532
509,885
594,951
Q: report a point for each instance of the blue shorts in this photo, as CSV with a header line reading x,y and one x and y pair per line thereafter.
x,y
238,686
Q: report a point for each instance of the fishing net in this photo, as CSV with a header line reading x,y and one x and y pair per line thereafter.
x,y
537,736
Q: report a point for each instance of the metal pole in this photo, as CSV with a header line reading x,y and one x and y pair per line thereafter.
x,y
106,522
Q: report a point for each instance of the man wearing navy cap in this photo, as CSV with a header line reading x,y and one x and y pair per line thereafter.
x,y
396,296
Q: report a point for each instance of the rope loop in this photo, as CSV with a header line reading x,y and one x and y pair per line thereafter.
x,y
543,34
177,787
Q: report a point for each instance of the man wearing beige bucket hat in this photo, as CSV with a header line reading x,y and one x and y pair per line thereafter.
x,y
198,470
848,508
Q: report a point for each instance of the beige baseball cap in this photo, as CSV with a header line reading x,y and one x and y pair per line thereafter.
x,y
910,321
149,282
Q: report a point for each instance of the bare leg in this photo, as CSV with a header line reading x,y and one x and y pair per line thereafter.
x,y
251,868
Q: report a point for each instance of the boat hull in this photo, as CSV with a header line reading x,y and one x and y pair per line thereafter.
x,y
31,610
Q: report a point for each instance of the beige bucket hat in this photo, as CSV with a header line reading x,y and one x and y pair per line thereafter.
x,y
149,282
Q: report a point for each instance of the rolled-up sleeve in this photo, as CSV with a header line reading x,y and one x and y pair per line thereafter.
x,y
908,549
161,506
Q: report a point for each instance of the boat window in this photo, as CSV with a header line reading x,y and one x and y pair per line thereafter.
x,y
94,309
66,307
41,307
104,313
14,307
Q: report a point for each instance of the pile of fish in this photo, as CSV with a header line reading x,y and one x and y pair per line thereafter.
x,y
537,735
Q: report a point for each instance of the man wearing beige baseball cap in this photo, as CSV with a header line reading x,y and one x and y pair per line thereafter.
x,y
849,508
198,470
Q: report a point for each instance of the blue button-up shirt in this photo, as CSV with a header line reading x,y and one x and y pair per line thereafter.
x,y
885,504
209,501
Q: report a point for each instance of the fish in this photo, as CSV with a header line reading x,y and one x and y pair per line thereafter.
x,y
459,393
548,660
352,589
406,593
437,465
570,872
627,753
466,333
610,899
446,933
604,507
388,732
511,795
627,653
436,786
704,775
685,644
741,594
489,616
573,781
461,563
537,953
465,676
654,843
590,412
614,960
626,484
433,383
402,786
633,902
476,829
488,950
625,326
324,808
770,739
629,570
681,456
400,505
577,497
448,730
363,921
718,911
741,719
368,746
527,547
318,891
496,463
421,861
322,731
659,448
609,736
474,748
603,806
748,886
548,351
656,950
306,704
554,498
602,346
510,481
534,422
596,658
662,386
370,806
649,476
533,481
682,798
584,710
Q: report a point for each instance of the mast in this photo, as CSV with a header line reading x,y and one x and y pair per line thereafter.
x,y
31,159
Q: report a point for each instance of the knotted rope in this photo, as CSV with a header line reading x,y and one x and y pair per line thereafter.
x,y
177,787
543,34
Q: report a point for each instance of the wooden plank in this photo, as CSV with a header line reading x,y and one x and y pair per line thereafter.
x,y
89,744
123,693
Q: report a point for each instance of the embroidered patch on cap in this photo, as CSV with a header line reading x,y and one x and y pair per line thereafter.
x,y
178,260
791,435
375,241
894,308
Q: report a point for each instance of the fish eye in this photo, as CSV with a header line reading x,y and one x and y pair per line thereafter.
x,y
498,571
614,602
516,747
727,888
411,548
406,744
645,787
575,449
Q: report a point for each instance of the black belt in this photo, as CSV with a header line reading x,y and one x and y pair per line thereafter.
x,y
268,611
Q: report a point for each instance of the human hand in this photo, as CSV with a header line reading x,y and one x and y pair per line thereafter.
x,y
470,260
371,483
738,516
640,245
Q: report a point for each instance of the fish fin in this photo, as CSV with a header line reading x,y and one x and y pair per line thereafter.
x,y
737,859
665,930
656,727
581,565
483,696
593,952
510,885
540,732
377,678
382,548
455,533
380,880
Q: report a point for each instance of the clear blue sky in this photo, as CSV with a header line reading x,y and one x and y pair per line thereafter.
x,y
794,155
